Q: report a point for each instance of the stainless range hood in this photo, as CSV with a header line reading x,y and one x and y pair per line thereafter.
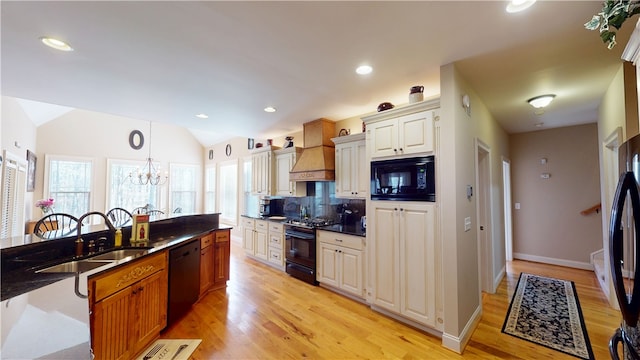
x,y
318,159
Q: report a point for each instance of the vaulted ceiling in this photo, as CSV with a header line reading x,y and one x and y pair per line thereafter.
x,y
168,61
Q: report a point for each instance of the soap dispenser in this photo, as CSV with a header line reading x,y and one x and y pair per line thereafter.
x,y
118,239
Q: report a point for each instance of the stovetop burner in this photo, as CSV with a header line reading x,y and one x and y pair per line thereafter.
x,y
309,223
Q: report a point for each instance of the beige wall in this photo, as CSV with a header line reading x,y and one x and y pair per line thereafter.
x,y
15,126
549,227
457,136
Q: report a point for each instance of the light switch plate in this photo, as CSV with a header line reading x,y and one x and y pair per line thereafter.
x,y
467,224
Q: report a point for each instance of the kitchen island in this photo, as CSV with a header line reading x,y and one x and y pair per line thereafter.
x,y
46,314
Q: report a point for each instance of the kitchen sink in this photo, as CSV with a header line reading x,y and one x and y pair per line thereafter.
x,y
120,254
78,266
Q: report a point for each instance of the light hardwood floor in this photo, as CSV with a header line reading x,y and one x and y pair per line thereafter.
x,y
265,314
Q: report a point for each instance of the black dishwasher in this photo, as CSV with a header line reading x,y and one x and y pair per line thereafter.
x,y
184,279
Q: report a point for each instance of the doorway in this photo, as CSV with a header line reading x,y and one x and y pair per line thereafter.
x,y
508,220
483,214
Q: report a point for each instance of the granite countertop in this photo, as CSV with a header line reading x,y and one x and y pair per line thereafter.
x,y
353,229
25,279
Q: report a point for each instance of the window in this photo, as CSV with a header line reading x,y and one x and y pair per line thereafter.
x,y
123,193
68,182
210,189
229,191
13,186
250,201
183,181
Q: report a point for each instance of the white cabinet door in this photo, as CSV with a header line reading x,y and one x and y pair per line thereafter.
x,y
362,170
261,245
247,240
345,156
351,271
415,133
417,258
327,267
384,224
384,138
261,167
284,163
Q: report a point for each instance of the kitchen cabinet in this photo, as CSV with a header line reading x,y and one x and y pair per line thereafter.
x,y
255,239
262,161
285,159
341,262
403,259
263,240
407,130
352,167
276,242
206,263
221,258
128,307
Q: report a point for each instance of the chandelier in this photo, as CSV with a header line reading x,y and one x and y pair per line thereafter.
x,y
149,174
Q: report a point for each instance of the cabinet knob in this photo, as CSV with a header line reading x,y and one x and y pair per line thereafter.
x,y
400,149
395,150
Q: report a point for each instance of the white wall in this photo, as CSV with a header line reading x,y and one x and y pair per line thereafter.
x,y
15,126
102,136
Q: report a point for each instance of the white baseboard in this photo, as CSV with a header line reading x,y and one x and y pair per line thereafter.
x,y
458,343
554,261
498,278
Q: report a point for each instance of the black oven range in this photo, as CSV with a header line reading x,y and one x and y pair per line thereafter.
x,y
300,247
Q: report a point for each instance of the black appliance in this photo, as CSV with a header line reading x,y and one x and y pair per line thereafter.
x,y
624,250
300,248
271,207
408,179
184,279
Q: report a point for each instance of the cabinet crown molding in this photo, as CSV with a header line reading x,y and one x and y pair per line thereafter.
x,y
431,104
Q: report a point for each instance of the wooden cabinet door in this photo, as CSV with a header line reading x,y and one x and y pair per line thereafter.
x,y
327,267
150,317
221,258
112,321
415,133
206,268
417,257
384,254
351,271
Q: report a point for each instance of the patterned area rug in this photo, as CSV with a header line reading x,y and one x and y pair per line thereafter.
x,y
170,349
546,311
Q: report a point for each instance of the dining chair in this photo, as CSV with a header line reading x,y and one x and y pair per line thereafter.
x,y
153,213
119,217
56,224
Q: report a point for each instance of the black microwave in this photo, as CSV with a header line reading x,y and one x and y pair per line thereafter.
x,y
409,179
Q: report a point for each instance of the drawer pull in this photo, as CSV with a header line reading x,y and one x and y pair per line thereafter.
x,y
339,240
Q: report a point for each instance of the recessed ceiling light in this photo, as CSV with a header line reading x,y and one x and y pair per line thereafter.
x,y
202,116
364,69
56,44
270,109
541,101
519,5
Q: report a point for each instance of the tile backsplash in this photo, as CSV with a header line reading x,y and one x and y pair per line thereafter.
x,y
321,202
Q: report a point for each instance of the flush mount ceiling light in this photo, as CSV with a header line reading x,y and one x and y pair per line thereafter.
x,y
364,69
202,116
519,5
270,109
56,44
541,101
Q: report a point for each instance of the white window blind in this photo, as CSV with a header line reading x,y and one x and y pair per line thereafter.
x,y
250,201
14,181
123,193
69,183
229,192
210,189
183,181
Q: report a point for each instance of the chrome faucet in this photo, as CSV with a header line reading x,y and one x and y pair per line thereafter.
x,y
79,241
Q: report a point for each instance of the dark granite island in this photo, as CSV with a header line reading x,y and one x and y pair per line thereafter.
x,y
46,315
